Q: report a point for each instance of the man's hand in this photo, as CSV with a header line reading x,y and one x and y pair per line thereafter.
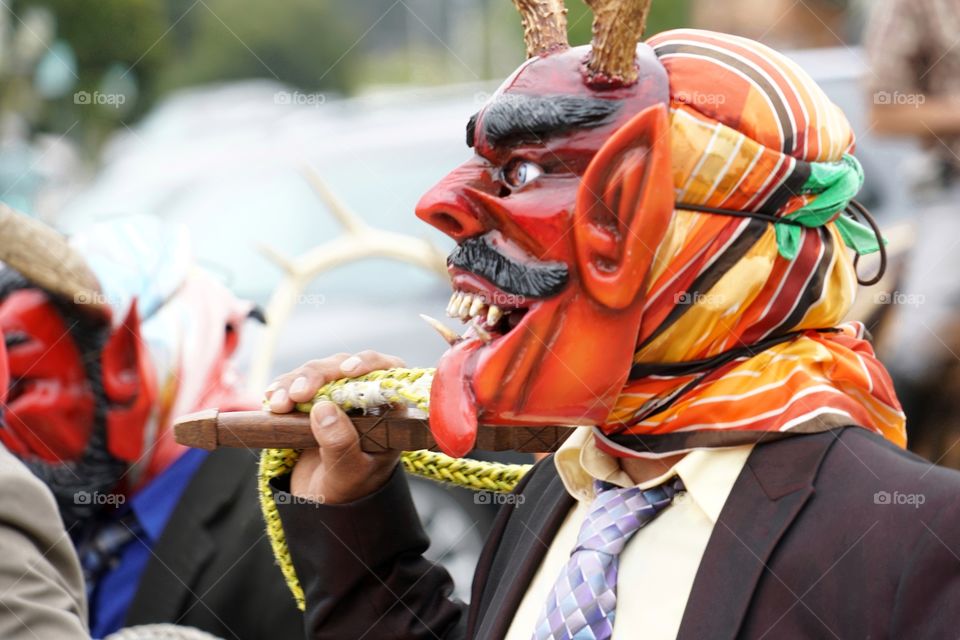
x,y
338,471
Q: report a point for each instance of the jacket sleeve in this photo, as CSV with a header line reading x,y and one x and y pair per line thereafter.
x,y
43,586
929,589
362,569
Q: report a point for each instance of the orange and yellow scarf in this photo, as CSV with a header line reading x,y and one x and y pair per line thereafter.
x,y
742,335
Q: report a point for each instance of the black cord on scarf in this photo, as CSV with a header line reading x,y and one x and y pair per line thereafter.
x,y
857,210
854,209
645,369
766,217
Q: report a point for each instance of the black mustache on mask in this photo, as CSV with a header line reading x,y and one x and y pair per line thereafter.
x,y
532,279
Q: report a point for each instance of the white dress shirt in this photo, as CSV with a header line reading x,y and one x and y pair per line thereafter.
x,y
659,564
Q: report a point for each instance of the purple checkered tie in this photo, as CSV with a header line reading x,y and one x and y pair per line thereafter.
x,y
583,601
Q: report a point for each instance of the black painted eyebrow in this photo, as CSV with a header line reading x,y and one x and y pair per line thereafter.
x,y
520,118
472,129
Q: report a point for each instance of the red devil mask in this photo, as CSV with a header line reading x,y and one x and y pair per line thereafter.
x,y
50,409
80,387
557,218
62,366
92,391
79,393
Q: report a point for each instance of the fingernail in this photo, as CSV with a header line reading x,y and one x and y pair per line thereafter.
x,y
278,399
350,364
327,413
299,385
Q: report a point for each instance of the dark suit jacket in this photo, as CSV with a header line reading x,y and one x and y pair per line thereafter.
x,y
832,535
212,567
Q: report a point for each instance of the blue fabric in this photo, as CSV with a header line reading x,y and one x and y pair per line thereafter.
x,y
153,505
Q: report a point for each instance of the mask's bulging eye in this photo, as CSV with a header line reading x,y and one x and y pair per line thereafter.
x,y
522,172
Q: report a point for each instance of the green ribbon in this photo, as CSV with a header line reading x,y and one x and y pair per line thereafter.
x,y
834,184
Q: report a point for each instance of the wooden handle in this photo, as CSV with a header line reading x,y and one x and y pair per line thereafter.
x,y
402,429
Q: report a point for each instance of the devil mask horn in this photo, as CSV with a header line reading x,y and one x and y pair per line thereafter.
x,y
617,27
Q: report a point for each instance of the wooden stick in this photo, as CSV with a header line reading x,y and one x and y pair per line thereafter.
x,y
402,429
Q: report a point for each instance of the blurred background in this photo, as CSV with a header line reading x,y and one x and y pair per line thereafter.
x,y
269,129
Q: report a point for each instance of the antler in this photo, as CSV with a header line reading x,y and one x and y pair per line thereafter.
x,y
617,27
544,25
46,259
359,241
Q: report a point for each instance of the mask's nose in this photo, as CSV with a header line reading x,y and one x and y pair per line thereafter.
x,y
447,207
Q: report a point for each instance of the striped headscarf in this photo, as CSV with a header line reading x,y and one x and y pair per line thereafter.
x,y
741,335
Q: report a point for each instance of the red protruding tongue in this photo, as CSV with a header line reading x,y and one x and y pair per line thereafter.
x,y
453,409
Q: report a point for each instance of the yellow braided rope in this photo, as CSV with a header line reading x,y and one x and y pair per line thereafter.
x,y
464,472
274,463
406,387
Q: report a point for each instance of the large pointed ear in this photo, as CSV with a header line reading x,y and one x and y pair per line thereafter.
x,y
623,208
130,386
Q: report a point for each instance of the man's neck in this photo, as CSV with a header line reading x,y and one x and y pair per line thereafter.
x,y
642,469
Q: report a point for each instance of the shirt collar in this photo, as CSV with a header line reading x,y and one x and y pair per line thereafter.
x,y
154,504
708,474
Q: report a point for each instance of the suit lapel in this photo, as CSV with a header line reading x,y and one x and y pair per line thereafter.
x,y
768,495
526,538
185,547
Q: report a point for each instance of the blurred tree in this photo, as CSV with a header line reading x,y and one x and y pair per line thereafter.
x,y
103,49
93,66
298,42
663,16
106,32
441,41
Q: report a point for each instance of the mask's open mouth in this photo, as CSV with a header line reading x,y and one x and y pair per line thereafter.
x,y
495,283
498,291
488,320
491,315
